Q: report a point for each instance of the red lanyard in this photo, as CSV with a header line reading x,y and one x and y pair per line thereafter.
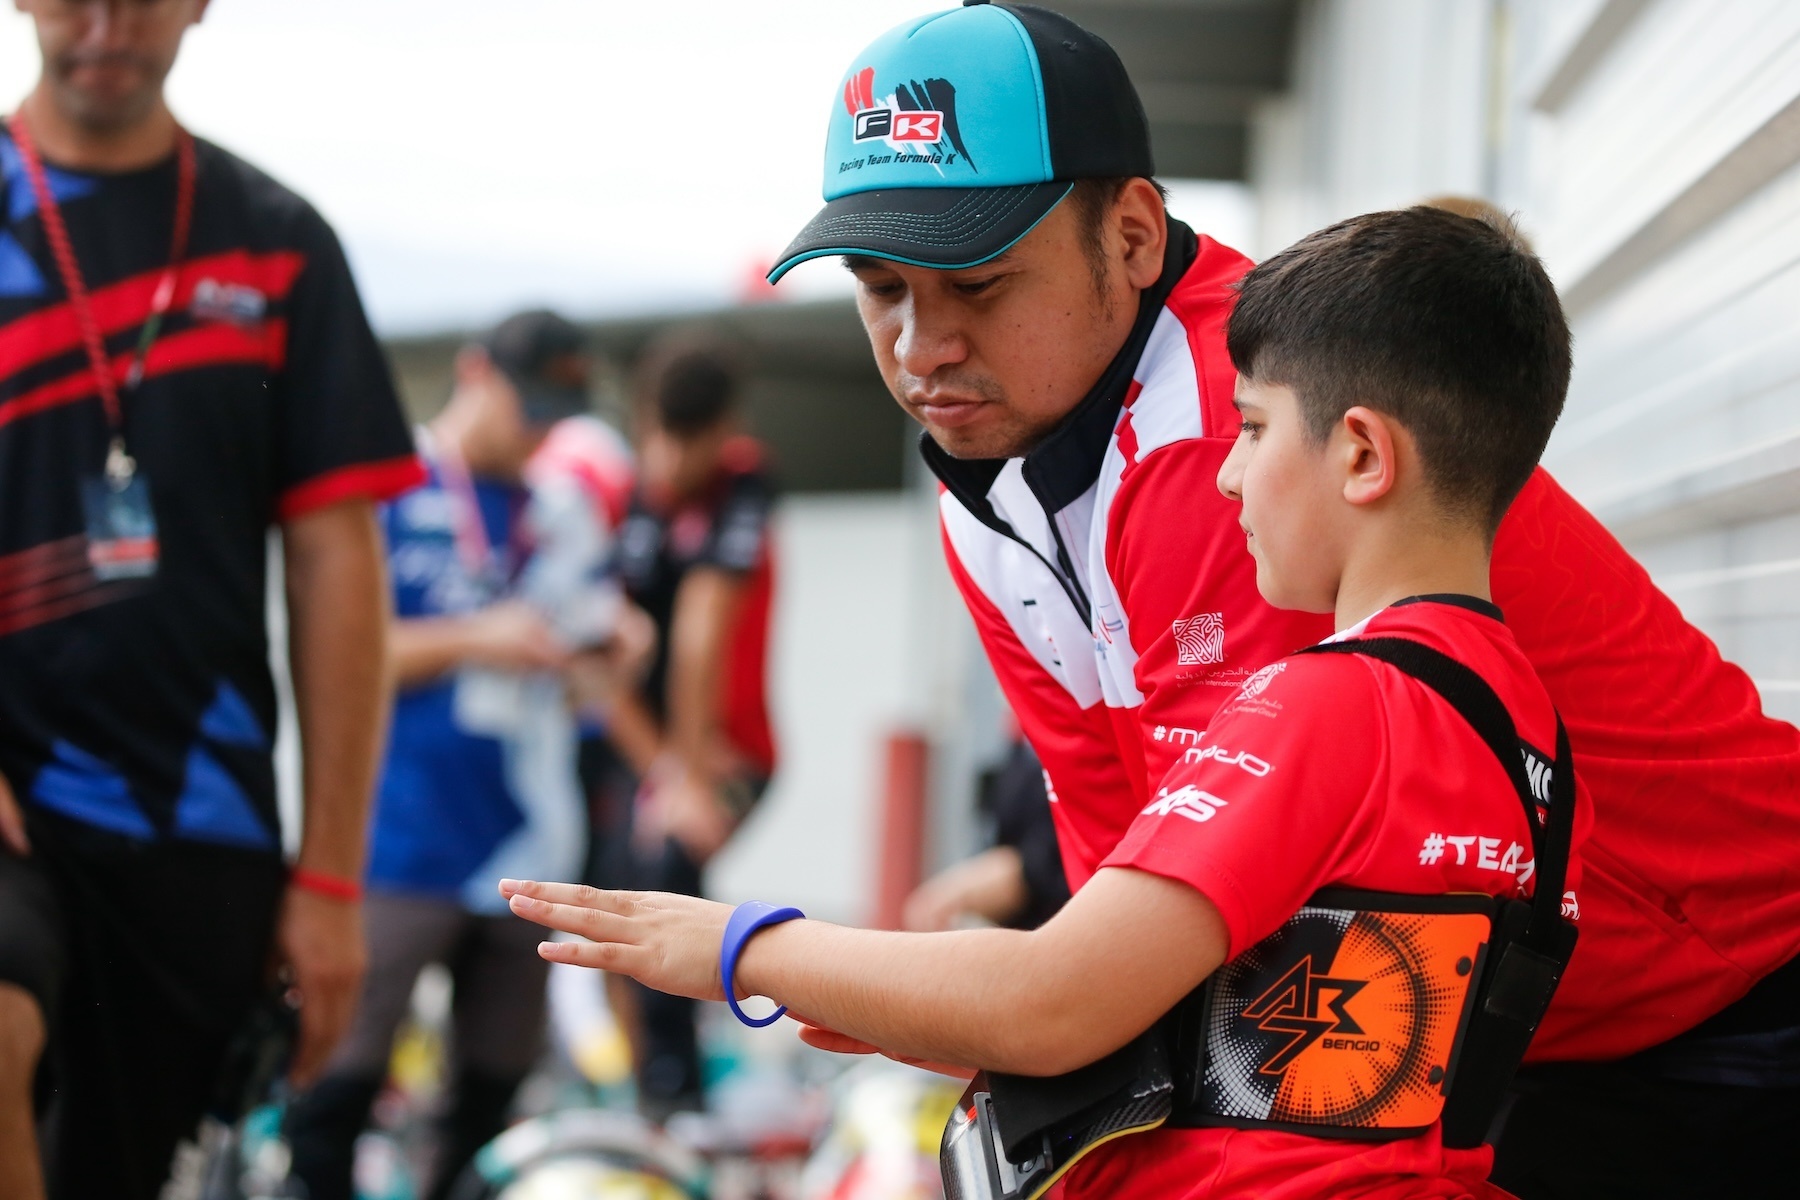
x,y
119,466
480,557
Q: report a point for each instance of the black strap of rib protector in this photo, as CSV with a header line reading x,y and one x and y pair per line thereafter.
x,y
1470,695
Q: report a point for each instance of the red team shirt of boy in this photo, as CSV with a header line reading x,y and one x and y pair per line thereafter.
x,y
1333,770
1691,786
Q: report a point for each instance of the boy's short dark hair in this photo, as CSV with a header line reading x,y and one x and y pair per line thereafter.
x,y
688,384
1446,323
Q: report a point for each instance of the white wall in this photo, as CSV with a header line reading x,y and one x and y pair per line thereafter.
x,y
1651,148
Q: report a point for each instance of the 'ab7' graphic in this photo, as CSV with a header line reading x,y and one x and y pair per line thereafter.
x,y
1347,1018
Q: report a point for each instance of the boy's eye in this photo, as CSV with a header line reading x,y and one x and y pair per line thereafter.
x,y
1250,430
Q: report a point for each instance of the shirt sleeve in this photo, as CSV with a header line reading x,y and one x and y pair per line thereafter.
x,y
740,533
1187,586
1280,798
341,433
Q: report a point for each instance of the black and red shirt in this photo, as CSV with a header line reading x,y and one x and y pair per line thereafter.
x,y
145,706
726,528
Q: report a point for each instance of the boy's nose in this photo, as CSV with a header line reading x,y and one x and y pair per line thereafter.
x,y
1231,472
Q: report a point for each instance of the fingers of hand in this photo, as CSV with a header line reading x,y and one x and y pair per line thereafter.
x,y
578,895
602,956
594,924
837,1043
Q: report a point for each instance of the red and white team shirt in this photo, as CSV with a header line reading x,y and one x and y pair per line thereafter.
x,y
1108,580
1335,770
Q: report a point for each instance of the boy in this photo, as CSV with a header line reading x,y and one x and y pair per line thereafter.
x,y
1399,376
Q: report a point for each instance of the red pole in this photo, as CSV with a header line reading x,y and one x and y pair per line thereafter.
x,y
902,865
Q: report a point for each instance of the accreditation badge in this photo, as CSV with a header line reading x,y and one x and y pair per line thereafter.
x,y
121,527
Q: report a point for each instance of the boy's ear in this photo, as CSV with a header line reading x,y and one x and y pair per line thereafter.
x,y
1369,442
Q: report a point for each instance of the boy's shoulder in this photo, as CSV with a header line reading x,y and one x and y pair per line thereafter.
x,y
1328,688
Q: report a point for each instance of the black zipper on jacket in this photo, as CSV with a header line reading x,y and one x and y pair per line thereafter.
x,y
1067,462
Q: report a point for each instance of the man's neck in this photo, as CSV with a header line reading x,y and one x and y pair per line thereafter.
x,y
71,143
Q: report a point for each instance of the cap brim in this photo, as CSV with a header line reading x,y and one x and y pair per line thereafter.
x,y
944,228
546,404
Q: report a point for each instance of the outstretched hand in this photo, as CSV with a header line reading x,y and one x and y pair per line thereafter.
x,y
664,941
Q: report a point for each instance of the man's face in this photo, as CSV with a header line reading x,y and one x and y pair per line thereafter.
x,y
1291,500
105,60
990,358
675,468
514,437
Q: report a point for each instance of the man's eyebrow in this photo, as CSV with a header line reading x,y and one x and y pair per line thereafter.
x,y
860,262
1003,259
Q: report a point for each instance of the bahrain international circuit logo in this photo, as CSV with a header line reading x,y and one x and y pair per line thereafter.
x,y
1200,640
918,119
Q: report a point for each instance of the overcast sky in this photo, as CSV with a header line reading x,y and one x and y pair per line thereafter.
x,y
608,157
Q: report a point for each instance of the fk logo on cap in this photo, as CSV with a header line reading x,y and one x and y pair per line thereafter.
x,y
907,116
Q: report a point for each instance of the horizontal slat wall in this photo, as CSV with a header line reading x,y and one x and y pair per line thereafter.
x,y
1663,186
1651,149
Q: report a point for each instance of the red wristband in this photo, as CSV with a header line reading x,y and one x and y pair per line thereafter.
x,y
334,887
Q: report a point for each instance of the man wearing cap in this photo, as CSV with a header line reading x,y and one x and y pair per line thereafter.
x,y
480,777
987,178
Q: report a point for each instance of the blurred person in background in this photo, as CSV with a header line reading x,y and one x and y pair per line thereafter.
x,y
498,587
184,364
691,749
1060,339
1018,881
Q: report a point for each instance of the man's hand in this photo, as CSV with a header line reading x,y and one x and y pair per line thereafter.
x,y
667,942
321,941
688,809
12,822
513,636
599,677
989,886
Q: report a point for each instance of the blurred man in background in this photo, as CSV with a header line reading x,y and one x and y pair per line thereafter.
x,y
184,362
691,749
1018,881
497,589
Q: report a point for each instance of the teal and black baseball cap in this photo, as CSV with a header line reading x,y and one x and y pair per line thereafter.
x,y
956,133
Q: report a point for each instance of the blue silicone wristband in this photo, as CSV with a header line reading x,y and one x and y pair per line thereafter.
x,y
746,919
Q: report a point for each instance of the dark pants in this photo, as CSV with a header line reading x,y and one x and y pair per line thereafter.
x,y
497,1012
147,959
1595,1131
668,1078
668,1069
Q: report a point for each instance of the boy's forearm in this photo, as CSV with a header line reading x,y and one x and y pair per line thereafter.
x,y
970,998
1117,957
1040,1002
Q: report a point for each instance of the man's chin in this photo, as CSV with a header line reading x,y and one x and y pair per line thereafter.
x,y
105,109
982,443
